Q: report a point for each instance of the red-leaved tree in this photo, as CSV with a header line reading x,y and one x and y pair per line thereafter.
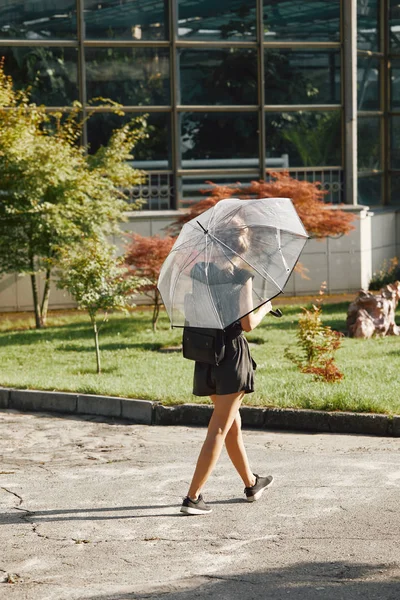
x,y
144,257
319,218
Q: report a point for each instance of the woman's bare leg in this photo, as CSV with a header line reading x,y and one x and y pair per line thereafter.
x,y
226,408
237,452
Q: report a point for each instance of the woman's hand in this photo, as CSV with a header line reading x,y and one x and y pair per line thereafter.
x,y
253,318
267,307
250,321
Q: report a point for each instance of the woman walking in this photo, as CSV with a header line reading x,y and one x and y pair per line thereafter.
x,y
227,383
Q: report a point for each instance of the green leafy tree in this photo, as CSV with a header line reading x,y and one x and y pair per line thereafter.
x,y
98,281
51,191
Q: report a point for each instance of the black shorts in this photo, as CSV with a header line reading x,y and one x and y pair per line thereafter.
x,y
234,374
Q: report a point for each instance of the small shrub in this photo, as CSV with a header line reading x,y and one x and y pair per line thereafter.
x,y
316,346
144,258
388,273
308,198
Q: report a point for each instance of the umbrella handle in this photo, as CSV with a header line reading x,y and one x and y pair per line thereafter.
x,y
276,313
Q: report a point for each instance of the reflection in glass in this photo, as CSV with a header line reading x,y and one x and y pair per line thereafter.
x,y
368,79
220,76
370,190
50,72
217,20
130,76
302,77
395,84
394,25
369,143
40,20
395,189
308,139
152,153
127,20
368,25
300,20
395,142
211,140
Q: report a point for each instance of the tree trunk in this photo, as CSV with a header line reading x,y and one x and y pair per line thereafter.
x,y
96,341
45,299
156,311
36,305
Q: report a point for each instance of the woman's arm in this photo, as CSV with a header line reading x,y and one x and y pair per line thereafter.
x,y
251,320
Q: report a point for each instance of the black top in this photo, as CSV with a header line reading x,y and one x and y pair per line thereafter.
x,y
225,286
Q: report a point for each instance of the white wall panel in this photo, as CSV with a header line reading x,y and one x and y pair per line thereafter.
x,y
345,262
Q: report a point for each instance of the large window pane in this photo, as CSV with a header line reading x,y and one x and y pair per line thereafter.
x,y
368,25
306,139
368,77
370,190
43,19
51,73
395,142
127,20
394,24
395,189
395,83
302,77
152,153
217,20
369,143
223,76
302,20
131,76
219,140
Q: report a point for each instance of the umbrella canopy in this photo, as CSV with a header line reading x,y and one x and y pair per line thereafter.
x,y
203,279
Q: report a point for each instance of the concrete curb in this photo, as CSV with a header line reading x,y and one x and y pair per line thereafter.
x,y
153,413
135,411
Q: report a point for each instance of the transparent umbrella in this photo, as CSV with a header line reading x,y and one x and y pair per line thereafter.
x,y
235,246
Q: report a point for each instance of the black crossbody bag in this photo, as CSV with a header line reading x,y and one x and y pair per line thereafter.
x,y
204,345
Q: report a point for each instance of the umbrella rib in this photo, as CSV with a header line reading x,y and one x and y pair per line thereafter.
x,y
184,266
192,259
210,295
278,237
293,266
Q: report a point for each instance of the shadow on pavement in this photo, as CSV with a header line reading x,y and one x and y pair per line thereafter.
x,y
87,514
301,581
99,514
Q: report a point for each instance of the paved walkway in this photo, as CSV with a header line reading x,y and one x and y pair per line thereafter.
x,y
89,510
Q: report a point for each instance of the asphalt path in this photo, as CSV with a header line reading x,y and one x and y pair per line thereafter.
x,y
90,510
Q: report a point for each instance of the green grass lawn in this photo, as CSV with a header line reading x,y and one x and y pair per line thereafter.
x,y
62,357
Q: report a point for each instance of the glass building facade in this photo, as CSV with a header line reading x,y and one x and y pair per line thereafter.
x,y
232,89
